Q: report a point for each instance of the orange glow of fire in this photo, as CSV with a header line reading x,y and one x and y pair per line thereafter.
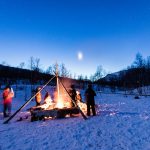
x,y
60,102
60,99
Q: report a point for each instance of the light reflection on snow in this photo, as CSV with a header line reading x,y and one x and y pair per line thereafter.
x,y
145,115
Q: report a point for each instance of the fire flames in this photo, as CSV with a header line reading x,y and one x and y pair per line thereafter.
x,y
62,102
59,103
60,97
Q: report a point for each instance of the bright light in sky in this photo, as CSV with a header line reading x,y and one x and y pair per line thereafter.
x,y
80,55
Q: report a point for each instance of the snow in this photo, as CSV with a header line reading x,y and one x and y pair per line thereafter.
x,y
122,123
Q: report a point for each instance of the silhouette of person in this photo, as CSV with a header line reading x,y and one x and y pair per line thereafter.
x,y
73,95
38,97
89,94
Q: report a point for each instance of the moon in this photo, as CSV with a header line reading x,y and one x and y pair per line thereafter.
x,y
80,55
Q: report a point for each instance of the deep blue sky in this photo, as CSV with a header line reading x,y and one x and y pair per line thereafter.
x,y
107,32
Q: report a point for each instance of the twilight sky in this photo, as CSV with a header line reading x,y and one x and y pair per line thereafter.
x,y
107,32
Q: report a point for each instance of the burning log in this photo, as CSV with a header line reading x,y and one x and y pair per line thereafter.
x,y
40,114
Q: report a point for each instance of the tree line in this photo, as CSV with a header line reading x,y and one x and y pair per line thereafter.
x,y
134,76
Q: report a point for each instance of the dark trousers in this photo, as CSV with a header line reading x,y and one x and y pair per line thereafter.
x,y
7,109
91,106
37,103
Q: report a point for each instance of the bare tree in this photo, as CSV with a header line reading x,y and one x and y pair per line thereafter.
x,y
70,75
63,70
34,64
4,63
92,78
139,61
86,78
31,66
31,63
56,68
74,76
22,65
49,70
148,62
80,77
99,73
37,64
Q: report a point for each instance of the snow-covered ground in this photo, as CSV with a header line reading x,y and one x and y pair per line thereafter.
x,y
122,123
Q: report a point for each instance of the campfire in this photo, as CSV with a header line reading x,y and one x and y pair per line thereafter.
x,y
60,106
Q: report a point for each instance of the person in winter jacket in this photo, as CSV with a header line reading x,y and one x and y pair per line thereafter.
x,y
8,94
38,97
73,95
89,94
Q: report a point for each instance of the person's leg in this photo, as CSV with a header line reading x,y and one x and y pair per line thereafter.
x,y
4,110
88,109
93,110
37,104
9,108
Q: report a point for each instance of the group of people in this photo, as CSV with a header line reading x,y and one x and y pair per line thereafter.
x,y
8,94
89,97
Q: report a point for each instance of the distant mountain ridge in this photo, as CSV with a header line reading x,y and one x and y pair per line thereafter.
x,y
132,77
115,75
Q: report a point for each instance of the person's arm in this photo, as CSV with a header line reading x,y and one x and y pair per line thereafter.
x,y
11,94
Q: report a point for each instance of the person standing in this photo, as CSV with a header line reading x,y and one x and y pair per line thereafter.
x,y
73,95
89,94
8,94
38,97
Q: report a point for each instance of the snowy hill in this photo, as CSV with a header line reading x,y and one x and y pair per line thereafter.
x,y
114,75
